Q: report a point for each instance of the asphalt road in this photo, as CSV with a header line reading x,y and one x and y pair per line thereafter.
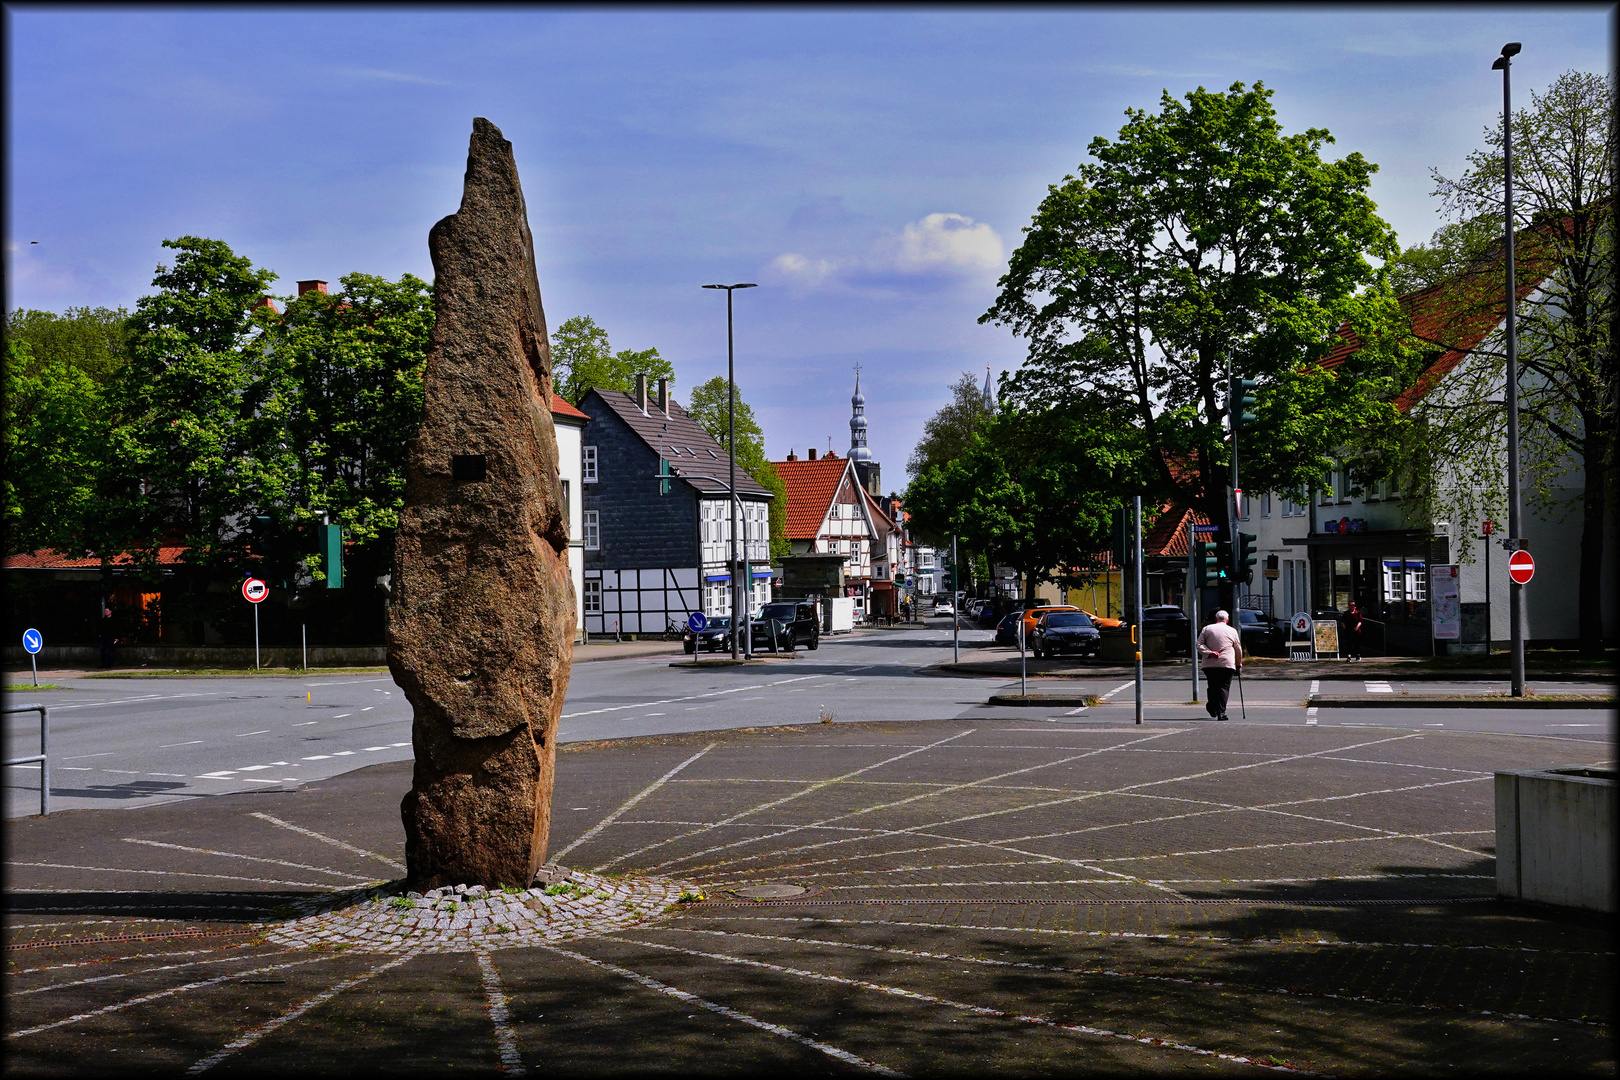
x,y
141,742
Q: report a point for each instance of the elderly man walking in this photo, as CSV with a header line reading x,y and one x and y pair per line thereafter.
x,y
1221,649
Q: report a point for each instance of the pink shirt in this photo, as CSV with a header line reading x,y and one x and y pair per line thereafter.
x,y
1219,645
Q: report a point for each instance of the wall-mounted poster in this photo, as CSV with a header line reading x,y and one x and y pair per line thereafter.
x,y
1326,634
1445,594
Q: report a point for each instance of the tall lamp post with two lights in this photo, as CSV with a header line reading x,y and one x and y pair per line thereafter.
x,y
742,625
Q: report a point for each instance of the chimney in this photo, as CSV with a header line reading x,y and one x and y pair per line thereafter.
x,y
313,285
791,456
641,391
812,453
663,396
266,302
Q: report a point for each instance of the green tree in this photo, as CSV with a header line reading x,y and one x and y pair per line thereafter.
x,y
1565,146
1204,243
1033,491
582,358
54,443
949,432
709,405
92,340
336,409
180,461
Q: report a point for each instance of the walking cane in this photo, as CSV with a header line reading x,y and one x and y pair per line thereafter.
x,y
1242,705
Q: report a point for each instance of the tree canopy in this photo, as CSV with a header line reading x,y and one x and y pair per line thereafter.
x,y
582,358
949,432
1205,242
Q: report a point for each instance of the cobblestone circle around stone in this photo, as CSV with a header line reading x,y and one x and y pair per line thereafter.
x,y
475,919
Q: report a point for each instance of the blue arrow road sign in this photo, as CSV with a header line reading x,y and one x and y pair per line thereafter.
x,y
32,641
697,621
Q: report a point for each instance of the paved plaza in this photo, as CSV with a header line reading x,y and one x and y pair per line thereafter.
x,y
955,896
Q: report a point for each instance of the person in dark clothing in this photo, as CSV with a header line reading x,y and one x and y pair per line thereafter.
x,y
1352,631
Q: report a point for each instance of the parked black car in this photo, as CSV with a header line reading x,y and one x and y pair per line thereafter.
x,y
1261,636
786,624
1173,623
1007,629
1065,631
715,635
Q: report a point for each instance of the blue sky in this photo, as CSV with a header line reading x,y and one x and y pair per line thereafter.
x,y
870,169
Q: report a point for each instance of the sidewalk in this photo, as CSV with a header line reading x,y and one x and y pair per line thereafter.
x,y
1004,663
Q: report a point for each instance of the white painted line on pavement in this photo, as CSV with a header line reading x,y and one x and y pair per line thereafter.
x,y
343,716
311,833
1310,715
1117,689
171,746
501,1018
245,734
648,790
1316,685
318,757
81,757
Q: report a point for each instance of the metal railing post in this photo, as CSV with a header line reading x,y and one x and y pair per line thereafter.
x,y
43,757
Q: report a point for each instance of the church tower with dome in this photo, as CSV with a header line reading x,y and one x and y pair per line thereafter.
x,y
869,471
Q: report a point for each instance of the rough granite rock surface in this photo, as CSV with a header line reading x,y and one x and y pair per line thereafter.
x,y
481,621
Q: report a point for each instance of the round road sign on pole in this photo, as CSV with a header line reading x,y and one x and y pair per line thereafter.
x,y
32,641
1521,567
254,590
697,621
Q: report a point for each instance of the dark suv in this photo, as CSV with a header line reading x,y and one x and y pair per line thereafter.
x,y
785,624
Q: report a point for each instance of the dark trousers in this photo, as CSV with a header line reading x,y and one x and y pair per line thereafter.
x,y
1219,684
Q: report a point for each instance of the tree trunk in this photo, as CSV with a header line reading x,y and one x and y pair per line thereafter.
x,y
1595,500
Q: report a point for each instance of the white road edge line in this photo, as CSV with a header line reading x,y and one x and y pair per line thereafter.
x,y
642,794
323,838
730,1014
288,1017
249,858
501,1017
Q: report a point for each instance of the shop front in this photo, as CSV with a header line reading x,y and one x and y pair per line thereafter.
x,y
1386,574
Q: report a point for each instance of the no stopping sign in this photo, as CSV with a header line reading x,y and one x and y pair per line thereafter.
x,y
254,590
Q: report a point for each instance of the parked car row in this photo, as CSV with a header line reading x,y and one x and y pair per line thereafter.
x,y
781,626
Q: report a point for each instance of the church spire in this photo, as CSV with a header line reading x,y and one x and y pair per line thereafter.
x,y
989,394
857,423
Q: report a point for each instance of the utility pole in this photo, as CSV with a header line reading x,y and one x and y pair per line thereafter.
x,y
1136,628
1192,595
956,620
1515,540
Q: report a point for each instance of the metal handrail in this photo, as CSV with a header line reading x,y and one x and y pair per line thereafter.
x,y
43,757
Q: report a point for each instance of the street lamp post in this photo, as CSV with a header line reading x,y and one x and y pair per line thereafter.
x,y
1504,64
731,452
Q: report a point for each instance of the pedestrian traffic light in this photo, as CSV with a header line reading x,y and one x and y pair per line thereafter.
x,y
1223,559
331,537
1206,566
1119,545
1241,402
1246,555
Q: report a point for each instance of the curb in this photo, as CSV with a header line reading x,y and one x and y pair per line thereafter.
x,y
1454,702
1048,700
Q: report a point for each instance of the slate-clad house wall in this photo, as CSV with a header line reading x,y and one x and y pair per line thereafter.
x,y
644,563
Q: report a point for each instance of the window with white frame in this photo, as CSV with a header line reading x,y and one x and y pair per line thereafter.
x,y
1265,504
587,464
593,530
593,596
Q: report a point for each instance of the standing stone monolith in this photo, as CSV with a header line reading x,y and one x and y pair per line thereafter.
x,y
481,620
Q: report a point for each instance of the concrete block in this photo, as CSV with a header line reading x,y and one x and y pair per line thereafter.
x,y
1555,837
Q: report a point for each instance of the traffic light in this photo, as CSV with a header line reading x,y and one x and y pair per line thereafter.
x,y
1246,555
331,537
1206,566
262,537
1241,402
1223,560
1120,545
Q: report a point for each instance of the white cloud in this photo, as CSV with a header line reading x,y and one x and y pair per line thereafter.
x,y
948,242
937,244
391,76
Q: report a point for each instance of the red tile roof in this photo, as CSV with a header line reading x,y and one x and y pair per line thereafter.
x,y
1456,315
47,559
811,486
1168,537
560,407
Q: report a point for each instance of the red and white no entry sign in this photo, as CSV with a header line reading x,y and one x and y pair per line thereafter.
x,y
1521,567
254,590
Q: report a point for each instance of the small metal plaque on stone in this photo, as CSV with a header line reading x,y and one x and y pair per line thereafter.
x,y
772,891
